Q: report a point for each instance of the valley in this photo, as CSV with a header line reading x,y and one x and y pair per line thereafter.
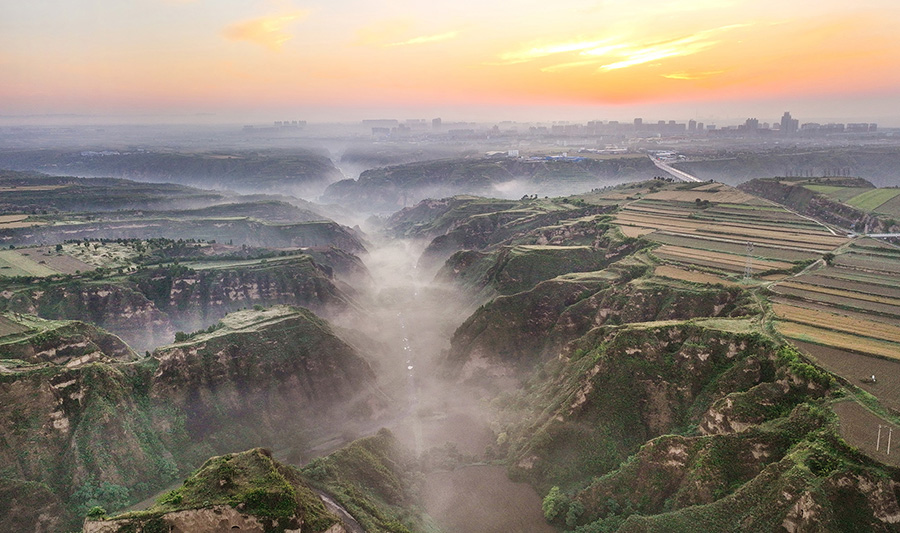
x,y
649,355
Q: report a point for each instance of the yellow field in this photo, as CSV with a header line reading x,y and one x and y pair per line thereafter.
x,y
796,238
671,272
725,259
33,188
840,292
632,231
833,321
844,341
725,194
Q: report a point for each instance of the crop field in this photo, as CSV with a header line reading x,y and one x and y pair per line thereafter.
x,y
7,219
845,341
811,239
840,302
834,192
713,192
891,207
860,428
14,263
61,263
887,287
856,368
18,221
725,261
671,272
872,199
635,231
854,312
765,252
868,262
838,322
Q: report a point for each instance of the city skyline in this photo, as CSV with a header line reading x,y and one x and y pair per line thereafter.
x,y
348,60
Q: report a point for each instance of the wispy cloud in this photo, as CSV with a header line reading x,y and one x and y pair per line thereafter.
x,y
693,75
544,50
616,52
267,31
425,39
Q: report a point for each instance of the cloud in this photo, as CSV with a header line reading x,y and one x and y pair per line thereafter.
x,y
395,32
615,53
545,50
425,39
265,31
693,75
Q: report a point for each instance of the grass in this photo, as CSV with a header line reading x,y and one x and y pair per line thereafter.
x,y
835,192
871,200
13,263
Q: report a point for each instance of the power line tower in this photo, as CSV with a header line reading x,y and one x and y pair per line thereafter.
x,y
748,266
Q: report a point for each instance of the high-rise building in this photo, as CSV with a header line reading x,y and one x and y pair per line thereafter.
x,y
788,124
436,123
692,125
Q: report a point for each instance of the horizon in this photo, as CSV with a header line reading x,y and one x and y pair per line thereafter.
x,y
351,60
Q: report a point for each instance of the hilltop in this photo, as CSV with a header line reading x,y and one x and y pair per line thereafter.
x,y
390,188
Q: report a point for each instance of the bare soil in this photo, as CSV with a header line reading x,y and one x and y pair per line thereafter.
x,y
859,427
855,367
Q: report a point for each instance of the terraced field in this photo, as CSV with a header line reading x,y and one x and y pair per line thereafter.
x,y
708,228
847,315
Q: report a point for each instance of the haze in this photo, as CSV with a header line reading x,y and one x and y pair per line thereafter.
x,y
347,60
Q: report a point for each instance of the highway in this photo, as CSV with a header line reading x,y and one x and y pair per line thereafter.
x,y
683,176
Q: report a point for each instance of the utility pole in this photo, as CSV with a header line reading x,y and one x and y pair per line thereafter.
x,y
890,433
748,266
878,442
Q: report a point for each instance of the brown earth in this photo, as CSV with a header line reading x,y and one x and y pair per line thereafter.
x,y
855,367
859,427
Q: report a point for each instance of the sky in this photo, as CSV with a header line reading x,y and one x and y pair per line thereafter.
x,y
467,59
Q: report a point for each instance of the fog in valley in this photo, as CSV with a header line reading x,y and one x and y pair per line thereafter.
x,y
525,308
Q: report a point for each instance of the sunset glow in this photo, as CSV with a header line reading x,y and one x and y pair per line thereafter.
x,y
230,56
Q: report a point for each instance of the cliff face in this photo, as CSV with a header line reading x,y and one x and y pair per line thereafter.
x,y
148,307
62,343
513,333
104,433
235,378
248,232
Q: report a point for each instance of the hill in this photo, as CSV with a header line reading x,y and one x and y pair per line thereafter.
x,y
390,188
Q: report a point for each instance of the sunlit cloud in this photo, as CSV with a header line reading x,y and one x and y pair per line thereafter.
x,y
541,51
617,52
693,75
682,47
268,31
425,39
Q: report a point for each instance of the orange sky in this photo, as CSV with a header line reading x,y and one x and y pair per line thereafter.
x,y
346,57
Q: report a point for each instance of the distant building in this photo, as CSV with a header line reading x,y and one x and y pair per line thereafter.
x,y
692,125
436,123
789,125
